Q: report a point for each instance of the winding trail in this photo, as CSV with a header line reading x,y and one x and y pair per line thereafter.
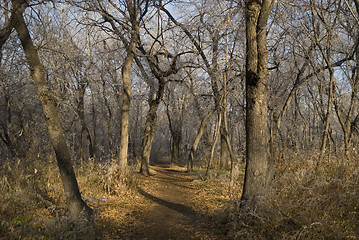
x,y
171,213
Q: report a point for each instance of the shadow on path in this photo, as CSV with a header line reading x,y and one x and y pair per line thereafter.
x,y
180,208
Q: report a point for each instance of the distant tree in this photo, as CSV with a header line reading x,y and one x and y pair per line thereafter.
x,y
157,88
123,20
210,53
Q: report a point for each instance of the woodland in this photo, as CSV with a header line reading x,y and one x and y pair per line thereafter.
x,y
150,119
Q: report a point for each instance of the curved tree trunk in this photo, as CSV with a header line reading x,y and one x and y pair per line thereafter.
x,y
75,203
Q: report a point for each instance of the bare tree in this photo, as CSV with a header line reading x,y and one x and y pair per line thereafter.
x,y
125,24
258,167
154,99
75,203
217,31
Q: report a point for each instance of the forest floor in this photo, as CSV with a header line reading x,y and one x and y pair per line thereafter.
x,y
305,201
170,204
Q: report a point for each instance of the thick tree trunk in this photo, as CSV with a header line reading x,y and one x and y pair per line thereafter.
x,y
148,137
257,165
75,203
126,98
150,129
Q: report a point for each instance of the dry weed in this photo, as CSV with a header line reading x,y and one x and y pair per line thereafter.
x,y
32,205
306,200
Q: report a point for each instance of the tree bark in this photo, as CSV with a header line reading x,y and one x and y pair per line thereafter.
x,y
175,126
154,101
75,203
197,139
218,130
148,137
150,129
85,133
111,144
126,97
257,170
223,164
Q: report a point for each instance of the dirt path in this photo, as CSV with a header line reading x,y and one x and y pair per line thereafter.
x,y
170,211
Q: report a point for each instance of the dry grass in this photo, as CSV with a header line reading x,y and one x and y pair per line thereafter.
x,y
306,201
32,204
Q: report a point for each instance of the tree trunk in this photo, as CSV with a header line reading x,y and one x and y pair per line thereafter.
x,y
326,56
197,139
75,203
176,143
148,137
306,136
210,160
154,101
93,149
150,129
126,97
257,171
109,121
85,133
176,134
223,164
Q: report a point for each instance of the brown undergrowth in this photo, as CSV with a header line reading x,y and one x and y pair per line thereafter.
x,y
307,200
32,204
